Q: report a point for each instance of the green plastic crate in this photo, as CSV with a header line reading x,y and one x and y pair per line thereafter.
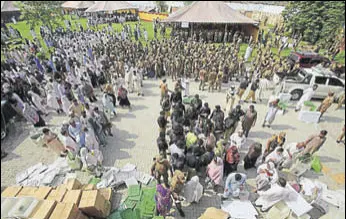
x,y
310,104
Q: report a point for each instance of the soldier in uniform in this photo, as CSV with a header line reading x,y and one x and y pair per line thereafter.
x,y
160,169
202,78
212,79
219,78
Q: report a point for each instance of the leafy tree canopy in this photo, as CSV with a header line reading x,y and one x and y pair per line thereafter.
x,y
36,13
317,21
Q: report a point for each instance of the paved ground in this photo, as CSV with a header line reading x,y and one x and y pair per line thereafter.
x,y
135,132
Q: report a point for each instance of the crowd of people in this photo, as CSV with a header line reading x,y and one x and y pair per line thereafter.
x,y
206,143
202,141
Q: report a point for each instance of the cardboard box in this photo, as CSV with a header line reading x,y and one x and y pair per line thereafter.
x,y
42,192
73,184
93,203
43,210
214,213
72,196
11,191
57,194
65,211
89,187
81,216
107,193
27,191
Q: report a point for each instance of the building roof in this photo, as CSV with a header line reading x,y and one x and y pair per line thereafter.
x,y
7,6
209,12
273,9
110,6
78,4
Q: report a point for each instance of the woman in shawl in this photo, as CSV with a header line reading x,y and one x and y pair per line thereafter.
x,y
108,103
215,171
32,116
52,98
122,97
232,160
51,140
252,155
163,199
193,190
37,100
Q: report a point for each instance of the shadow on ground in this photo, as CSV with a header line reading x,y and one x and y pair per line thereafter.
x,y
121,140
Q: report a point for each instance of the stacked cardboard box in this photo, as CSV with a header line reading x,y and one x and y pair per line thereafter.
x,y
94,204
43,210
11,191
71,200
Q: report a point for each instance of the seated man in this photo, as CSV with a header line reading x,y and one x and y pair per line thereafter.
x,y
234,182
75,131
291,152
267,176
276,193
238,139
275,156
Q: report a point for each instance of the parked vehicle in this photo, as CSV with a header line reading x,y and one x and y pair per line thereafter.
x,y
306,59
303,78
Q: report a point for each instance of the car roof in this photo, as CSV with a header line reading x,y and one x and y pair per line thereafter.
x,y
320,71
307,54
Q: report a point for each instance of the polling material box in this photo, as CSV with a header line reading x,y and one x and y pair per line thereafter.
x,y
43,209
65,211
72,196
309,117
73,184
28,191
57,194
214,213
42,192
11,191
88,187
107,193
93,203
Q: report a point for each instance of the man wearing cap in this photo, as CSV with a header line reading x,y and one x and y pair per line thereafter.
x,y
160,168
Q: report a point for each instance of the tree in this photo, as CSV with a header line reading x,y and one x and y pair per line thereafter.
x,y
317,21
161,5
36,13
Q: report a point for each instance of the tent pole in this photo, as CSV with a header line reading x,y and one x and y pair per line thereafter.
x,y
191,30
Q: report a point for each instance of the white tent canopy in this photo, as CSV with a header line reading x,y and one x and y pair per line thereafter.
x,y
110,6
78,4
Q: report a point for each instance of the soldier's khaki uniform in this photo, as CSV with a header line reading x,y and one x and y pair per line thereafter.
x,y
212,79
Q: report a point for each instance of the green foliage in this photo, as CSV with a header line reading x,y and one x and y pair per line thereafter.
x,y
36,13
162,5
316,20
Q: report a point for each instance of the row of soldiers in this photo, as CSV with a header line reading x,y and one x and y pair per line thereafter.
x,y
210,36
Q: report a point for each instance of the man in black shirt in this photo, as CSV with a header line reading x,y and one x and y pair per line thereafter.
x,y
252,93
242,87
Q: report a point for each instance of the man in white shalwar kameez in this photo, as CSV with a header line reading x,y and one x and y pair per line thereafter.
x,y
186,86
308,94
129,79
137,83
275,194
52,97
